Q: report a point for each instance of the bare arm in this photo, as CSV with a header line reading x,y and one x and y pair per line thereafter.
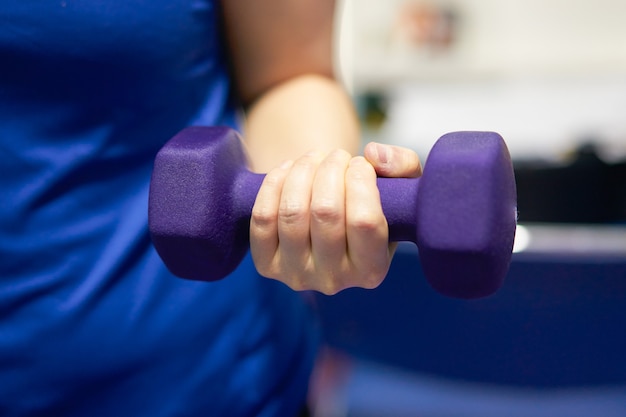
x,y
282,61
317,222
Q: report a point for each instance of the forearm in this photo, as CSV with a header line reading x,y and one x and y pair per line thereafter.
x,y
305,113
317,223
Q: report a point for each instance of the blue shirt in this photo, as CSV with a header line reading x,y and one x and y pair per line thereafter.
x,y
91,322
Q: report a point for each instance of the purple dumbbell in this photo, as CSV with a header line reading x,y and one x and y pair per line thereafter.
x,y
461,213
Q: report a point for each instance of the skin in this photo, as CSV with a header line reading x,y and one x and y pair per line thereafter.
x,y
317,223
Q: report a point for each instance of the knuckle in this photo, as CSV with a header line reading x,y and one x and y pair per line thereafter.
x,y
299,281
365,222
338,156
296,285
273,179
330,287
262,216
360,170
290,212
326,211
373,279
309,161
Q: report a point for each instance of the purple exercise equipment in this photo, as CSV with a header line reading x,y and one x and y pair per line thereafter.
x,y
461,213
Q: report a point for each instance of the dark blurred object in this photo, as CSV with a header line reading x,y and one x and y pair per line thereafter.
x,y
586,190
372,109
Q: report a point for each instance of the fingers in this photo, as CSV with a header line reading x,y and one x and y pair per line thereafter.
x,y
318,224
393,161
280,222
367,231
328,212
294,216
264,218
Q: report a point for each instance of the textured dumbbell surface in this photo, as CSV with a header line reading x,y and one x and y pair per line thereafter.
x,y
461,213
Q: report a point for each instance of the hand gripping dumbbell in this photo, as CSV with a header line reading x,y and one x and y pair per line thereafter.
x,y
461,213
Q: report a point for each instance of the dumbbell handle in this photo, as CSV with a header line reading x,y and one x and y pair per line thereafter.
x,y
398,198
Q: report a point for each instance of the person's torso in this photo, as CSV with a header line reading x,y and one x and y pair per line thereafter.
x,y
89,91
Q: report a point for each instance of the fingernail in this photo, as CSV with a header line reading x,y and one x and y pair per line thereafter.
x,y
383,153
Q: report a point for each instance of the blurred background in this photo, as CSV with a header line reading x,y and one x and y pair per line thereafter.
x,y
550,77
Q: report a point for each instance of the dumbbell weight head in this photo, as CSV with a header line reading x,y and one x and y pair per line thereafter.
x,y
467,214
461,213
197,211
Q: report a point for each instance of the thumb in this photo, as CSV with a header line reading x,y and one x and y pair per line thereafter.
x,y
393,161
